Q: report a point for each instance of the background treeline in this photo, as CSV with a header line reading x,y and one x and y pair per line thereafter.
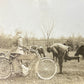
x,y
8,41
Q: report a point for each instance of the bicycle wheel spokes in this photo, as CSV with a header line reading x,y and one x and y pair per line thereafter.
x,y
46,69
5,68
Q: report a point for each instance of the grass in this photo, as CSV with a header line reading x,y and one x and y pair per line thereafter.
x,y
73,73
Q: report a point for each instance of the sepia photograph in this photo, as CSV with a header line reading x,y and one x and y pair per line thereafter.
x,y
41,42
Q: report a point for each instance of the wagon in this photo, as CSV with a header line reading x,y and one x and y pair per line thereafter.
x,y
45,68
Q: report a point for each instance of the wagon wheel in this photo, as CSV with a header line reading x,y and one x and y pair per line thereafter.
x,y
46,68
5,68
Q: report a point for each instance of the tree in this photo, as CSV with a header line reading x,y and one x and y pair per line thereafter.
x,y
47,31
32,36
26,38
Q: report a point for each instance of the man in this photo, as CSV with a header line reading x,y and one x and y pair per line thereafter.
x,y
59,51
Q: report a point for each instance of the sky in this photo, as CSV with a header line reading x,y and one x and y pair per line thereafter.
x,y
31,15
